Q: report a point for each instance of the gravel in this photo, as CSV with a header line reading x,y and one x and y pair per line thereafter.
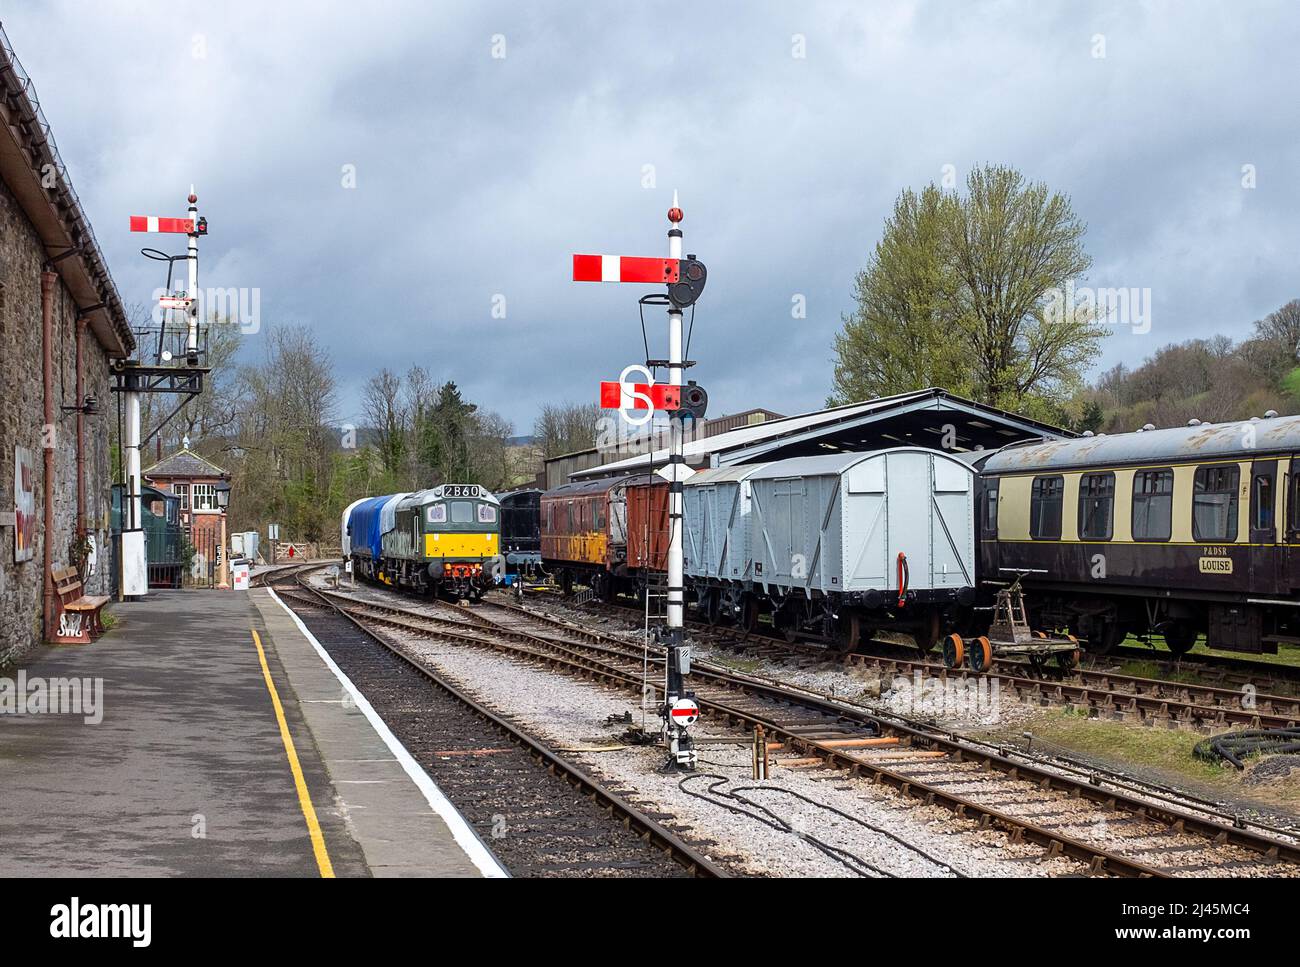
x,y
570,714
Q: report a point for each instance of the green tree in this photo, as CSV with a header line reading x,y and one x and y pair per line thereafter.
x,y
965,292
899,337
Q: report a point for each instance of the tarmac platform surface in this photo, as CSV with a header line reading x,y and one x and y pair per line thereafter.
x,y
187,771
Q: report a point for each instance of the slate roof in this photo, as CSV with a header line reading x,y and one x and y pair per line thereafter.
x,y
184,463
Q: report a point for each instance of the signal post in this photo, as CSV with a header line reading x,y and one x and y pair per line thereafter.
x,y
685,280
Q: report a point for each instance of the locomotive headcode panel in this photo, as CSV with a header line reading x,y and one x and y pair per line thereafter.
x,y
1179,532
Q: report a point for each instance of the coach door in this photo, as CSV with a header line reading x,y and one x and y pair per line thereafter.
x,y
1264,551
1289,564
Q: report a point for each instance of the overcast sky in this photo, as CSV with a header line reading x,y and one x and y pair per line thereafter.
x,y
788,128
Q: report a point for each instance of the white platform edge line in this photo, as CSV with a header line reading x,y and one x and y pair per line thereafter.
x,y
465,837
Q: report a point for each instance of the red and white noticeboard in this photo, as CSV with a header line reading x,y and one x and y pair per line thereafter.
x,y
24,505
239,577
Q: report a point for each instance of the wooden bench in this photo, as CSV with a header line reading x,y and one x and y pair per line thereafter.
x,y
76,617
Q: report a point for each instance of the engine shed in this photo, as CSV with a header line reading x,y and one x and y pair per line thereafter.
x,y
930,418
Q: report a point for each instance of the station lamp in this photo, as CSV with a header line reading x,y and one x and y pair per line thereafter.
x,y
223,494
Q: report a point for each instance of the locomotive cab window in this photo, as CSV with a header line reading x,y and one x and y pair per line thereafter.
x,y
1096,506
487,514
1293,504
461,511
437,514
1045,500
1153,505
1214,503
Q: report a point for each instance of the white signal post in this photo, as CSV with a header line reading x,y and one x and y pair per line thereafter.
x,y
679,657
685,280
192,337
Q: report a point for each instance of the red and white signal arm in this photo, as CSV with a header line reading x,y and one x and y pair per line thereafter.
x,y
174,302
684,712
154,223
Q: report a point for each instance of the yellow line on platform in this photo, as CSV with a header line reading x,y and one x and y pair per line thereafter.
x,y
304,800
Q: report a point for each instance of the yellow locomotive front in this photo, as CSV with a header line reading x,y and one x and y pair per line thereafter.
x,y
460,530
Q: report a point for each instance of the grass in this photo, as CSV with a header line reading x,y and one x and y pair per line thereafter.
x,y
1156,754
1286,654
108,620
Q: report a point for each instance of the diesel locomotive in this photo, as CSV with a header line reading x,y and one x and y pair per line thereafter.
x,y
445,539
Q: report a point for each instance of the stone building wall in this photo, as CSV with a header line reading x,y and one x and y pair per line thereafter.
x,y
22,258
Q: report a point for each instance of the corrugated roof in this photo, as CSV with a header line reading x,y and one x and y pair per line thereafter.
x,y
699,449
1175,444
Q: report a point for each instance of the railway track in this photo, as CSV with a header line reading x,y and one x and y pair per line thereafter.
x,y
540,814
1103,692
1110,829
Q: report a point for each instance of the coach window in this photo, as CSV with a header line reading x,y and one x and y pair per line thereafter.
x,y
1096,506
1045,508
600,514
1262,514
991,508
1214,503
1153,505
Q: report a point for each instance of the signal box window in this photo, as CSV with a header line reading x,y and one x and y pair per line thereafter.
x,y
1153,505
1214,503
1096,506
1045,508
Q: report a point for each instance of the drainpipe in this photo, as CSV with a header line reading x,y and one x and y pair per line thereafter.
x,y
81,436
47,378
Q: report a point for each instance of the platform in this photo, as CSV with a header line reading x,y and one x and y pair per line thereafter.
x,y
183,769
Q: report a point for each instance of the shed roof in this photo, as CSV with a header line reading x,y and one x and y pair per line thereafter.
x,y
917,418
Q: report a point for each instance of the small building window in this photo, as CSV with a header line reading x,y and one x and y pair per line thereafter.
x,y
204,496
991,508
1153,505
1045,500
183,492
1214,503
1262,516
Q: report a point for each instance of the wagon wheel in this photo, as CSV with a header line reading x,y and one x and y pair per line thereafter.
x,y
748,614
954,651
1068,660
1180,637
980,657
786,623
928,635
848,633
711,605
566,583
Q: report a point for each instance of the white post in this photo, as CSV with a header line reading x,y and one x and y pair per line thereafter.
x,y
192,340
134,574
678,662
